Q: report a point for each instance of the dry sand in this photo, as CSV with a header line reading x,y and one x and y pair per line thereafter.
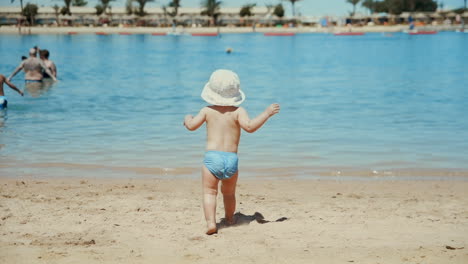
x,y
161,221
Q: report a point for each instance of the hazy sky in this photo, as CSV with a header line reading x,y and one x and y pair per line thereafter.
x,y
305,7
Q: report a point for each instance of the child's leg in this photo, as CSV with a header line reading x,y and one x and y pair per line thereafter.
x,y
228,188
210,190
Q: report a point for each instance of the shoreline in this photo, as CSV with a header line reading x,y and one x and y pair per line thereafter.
x,y
151,220
74,170
211,30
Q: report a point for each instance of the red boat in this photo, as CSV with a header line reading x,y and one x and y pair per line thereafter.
x,y
423,32
101,33
349,34
204,34
159,34
125,33
280,34
72,33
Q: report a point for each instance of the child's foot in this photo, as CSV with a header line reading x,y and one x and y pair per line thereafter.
x,y
212,229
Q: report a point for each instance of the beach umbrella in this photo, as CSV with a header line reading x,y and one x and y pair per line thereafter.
x,y
379,15
128,17
465,14
90,17
420,16
67,17
358,16
435,15
405,15
150,18
451,14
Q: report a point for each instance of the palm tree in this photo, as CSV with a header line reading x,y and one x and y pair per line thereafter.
x,y
105,4
57,12
21,4
129,7
369,4
246,10
354,3
175,4
279,10
211,9
79,3
141,9
66,9
293,8
30,11
102,7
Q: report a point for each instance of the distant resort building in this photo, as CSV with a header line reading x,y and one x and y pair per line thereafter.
x,y
155,16
188,16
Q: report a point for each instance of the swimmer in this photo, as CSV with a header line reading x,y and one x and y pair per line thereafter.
x,y
3,100
44,55
229,50
33,68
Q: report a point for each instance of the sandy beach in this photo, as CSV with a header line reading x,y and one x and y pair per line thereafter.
x,y
222,30
58,220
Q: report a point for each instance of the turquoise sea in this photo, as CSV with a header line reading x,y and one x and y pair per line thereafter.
x,y
374,105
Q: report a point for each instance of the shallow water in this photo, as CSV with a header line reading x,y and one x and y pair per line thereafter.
x,y
355,105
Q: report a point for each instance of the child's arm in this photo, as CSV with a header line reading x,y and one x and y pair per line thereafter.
x,y
12,86
251,125
193,123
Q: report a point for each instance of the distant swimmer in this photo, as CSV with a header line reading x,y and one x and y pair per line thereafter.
x,y
33,68
3,100
229,50
44,54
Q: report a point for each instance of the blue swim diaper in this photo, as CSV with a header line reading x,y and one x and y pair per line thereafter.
x,y
223,165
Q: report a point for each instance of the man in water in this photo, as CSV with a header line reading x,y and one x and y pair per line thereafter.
x,y
33,68
44,54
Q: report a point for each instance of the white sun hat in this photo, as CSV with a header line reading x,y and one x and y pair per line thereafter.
x,y
223,89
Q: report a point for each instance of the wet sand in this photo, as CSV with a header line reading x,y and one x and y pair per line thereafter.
x,y
58,220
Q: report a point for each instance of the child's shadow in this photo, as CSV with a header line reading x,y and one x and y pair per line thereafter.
x,y
242,219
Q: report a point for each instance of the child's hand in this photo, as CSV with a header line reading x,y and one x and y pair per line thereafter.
x,y
273,109
20,92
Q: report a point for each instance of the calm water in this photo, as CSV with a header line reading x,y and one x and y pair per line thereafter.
x,y
348,103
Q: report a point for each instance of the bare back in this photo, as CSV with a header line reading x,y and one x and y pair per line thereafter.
x,y
33,68
51,66
224,123
222,128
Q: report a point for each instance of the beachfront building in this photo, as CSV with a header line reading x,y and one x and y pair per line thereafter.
x,y
191,17
155,16
420,18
